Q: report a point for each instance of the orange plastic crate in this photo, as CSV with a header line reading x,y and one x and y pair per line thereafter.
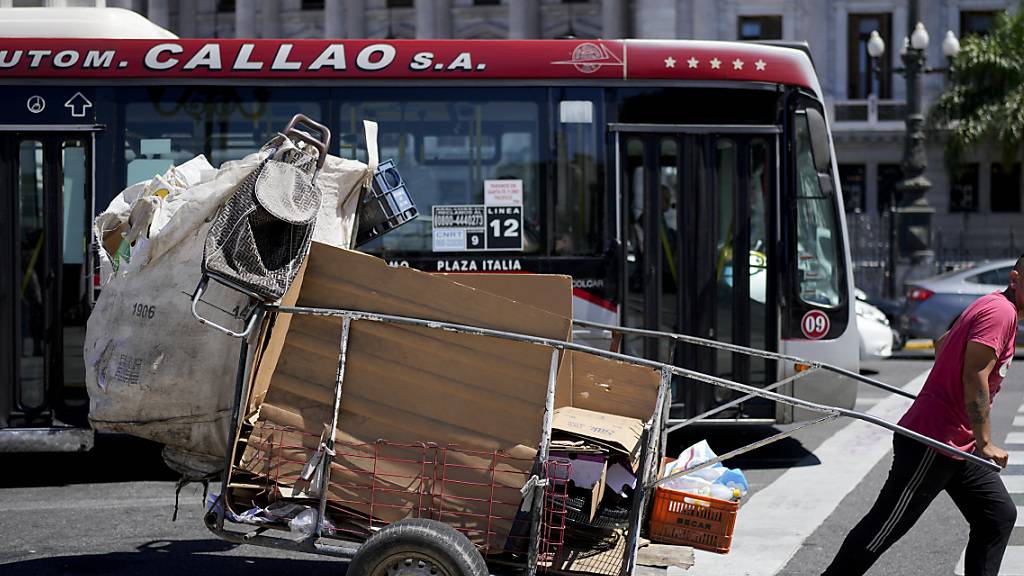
x,y
699,521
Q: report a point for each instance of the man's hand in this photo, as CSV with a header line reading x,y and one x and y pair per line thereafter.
x,y
994,453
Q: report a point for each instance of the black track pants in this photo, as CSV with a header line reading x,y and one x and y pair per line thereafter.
x,y
917,476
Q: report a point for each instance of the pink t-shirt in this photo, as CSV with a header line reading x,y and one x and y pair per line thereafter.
x,y
939,410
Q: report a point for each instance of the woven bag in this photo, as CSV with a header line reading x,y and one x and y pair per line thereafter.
x,y
261,235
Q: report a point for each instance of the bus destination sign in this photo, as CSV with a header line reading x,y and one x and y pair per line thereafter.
x,y
465,59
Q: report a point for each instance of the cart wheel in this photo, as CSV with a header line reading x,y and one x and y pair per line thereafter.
x,y
418,547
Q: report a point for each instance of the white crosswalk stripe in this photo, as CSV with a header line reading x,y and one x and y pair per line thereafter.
x,y
1013,562
1014,483
1013,558
762,544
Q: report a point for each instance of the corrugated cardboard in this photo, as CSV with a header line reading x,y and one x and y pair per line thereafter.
x,y
617,432
407,384
609,386
549,292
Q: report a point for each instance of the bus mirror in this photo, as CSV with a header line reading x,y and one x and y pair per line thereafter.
x,y
819,139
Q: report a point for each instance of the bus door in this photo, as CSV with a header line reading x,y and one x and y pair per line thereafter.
x,y
697,218
45,287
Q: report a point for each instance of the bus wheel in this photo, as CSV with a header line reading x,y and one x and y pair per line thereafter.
x,y
417,547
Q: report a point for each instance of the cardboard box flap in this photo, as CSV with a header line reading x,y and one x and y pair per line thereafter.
x,y
618,432
353,280
610,386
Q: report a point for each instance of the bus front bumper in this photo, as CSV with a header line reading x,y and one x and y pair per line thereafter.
x,y
46,439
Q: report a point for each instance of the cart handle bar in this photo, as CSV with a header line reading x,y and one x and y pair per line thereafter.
x,y
698,376
749,352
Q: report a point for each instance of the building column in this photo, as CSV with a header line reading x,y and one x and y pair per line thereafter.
x,y
334,18
654,19
159,13
685,15
614,18
355,18
426,18
187,19
524,19
270,19
126,4
443,18
245,18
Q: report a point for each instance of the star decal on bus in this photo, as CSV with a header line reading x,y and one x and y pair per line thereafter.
x,y
670,62
693,62
760,65
737,64
716,63
590,57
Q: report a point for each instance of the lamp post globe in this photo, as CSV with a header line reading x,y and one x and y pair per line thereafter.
x,y
950,45
876,46
919,37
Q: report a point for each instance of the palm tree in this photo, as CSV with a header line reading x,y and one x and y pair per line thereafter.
x,y
984,100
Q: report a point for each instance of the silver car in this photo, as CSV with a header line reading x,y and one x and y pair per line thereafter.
x,y
933,304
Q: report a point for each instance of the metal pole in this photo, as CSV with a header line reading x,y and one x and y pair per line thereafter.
x,y
912,208
737,401
692,374
241,382
741,450
812,364
537,510
328,456
661,414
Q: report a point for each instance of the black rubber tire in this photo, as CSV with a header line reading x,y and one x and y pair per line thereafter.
x,y
423,542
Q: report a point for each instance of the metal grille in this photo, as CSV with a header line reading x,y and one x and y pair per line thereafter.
x,y
365,486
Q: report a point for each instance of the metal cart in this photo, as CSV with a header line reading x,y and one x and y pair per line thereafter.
x,y
403,547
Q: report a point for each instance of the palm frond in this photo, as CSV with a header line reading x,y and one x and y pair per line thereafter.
x,y
984,100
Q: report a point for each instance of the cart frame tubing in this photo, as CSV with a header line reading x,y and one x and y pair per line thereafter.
x,y
653,439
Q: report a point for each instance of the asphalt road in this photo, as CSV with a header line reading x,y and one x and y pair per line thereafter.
x,y
109,511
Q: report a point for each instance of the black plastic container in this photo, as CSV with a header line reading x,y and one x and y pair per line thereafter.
x,y
385,206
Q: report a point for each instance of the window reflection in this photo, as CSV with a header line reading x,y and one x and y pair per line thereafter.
x,y
445,150
31,279
818,260
577,225
170,126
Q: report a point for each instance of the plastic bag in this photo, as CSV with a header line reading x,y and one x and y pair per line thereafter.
x,y
703,482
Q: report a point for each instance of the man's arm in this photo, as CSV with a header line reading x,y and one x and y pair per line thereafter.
x,y
979,361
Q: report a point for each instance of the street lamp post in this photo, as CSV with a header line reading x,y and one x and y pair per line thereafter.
x,y
909,210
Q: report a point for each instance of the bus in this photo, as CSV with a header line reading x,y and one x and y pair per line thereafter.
x,y
686,186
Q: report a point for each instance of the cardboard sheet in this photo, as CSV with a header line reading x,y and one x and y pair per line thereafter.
x,y
408,385
549,292
619,433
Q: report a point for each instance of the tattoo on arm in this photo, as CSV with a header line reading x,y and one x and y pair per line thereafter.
x,y
977,410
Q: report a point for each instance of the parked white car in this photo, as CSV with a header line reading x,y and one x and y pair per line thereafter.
x,y
876,338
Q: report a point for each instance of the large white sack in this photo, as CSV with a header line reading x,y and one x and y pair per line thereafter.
x,y
151,369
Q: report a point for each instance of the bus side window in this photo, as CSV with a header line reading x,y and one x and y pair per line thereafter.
x,y
577,204
821,277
